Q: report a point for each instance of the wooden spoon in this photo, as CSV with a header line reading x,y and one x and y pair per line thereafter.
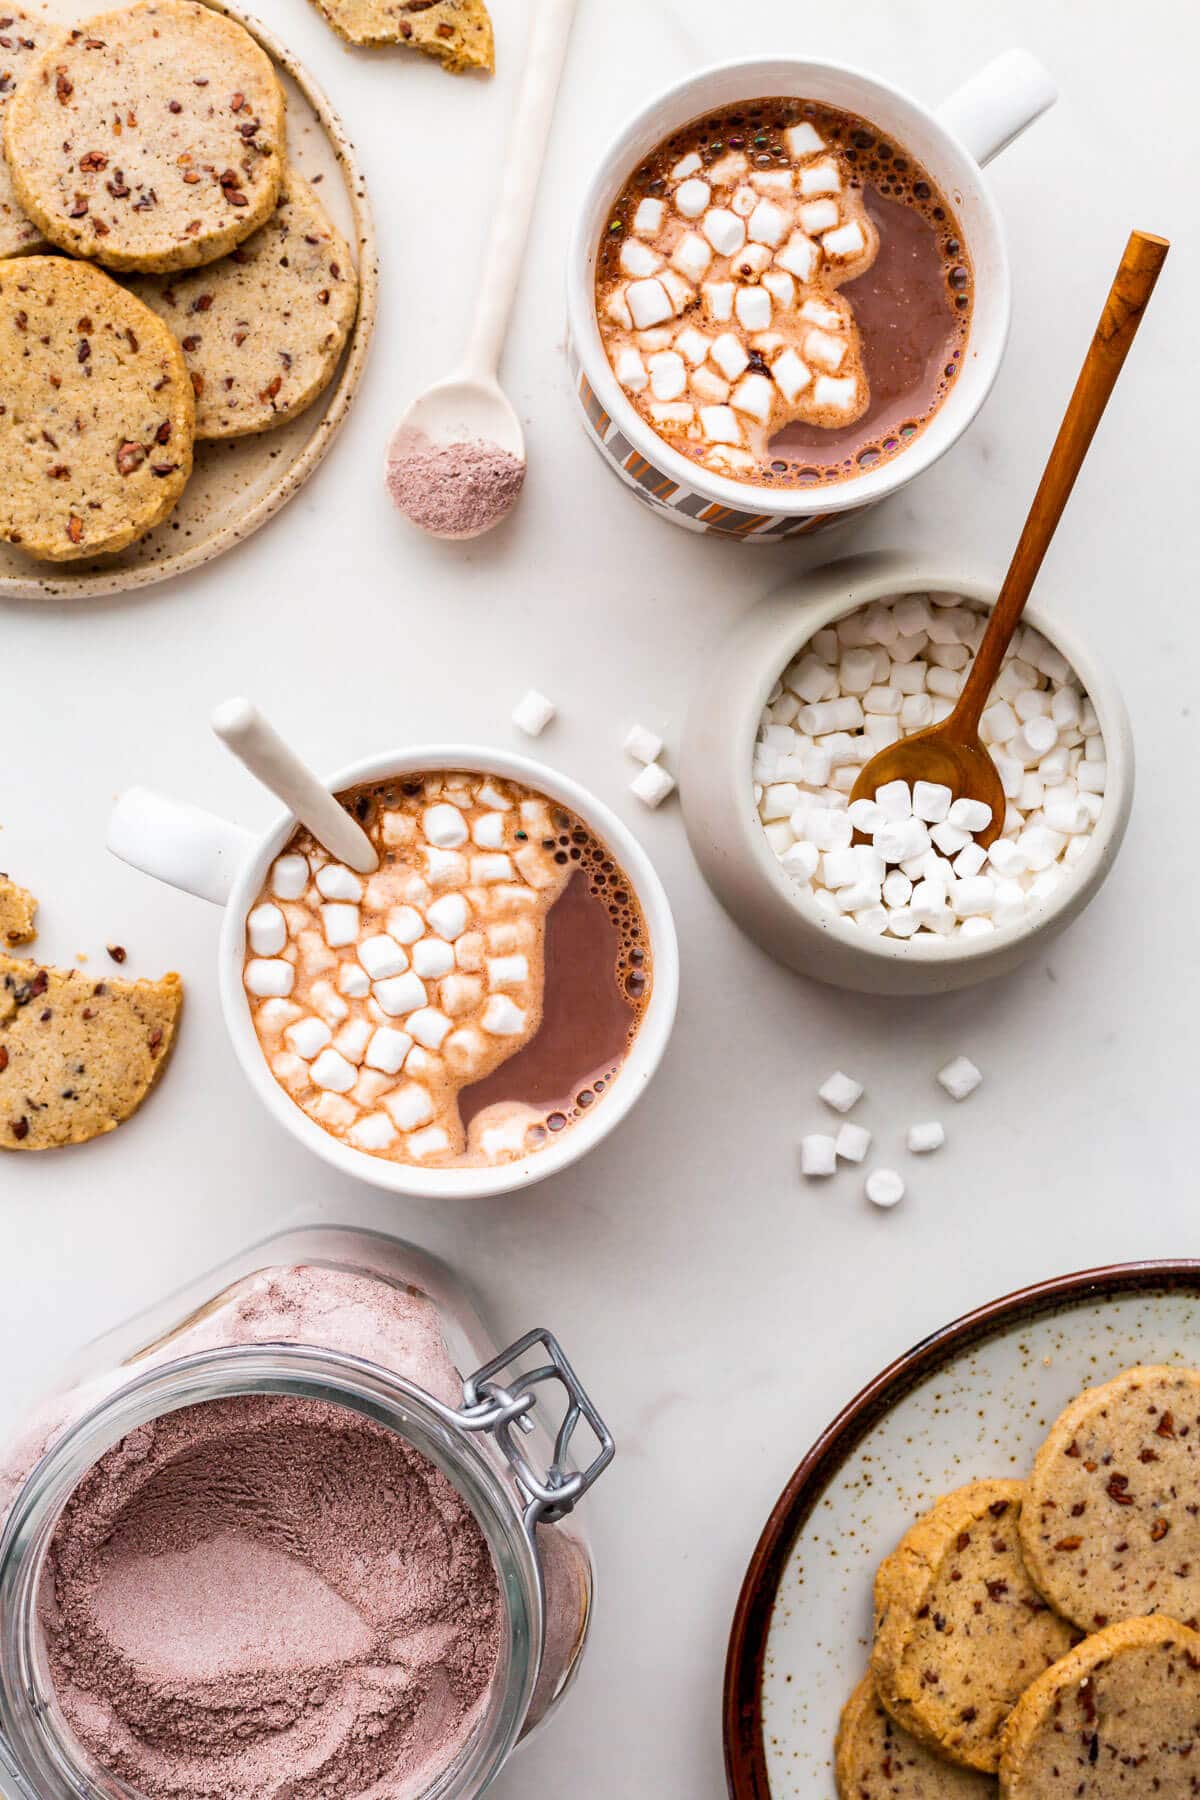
x,y
951,753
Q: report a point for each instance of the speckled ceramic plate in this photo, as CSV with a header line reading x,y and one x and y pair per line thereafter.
x,y
237,486
975,1399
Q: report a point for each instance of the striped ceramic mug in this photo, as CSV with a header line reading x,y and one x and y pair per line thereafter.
x,y
952,142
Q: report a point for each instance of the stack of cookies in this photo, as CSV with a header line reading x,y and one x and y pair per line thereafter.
x,y
1039,1639
148,144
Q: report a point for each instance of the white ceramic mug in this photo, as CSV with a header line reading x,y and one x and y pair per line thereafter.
x,y
952,143
207,856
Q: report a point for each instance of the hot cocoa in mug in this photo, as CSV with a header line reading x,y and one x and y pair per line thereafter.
x,y
789,290
474,1015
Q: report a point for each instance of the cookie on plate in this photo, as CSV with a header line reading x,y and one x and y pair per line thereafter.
x,y
458,32
263,329
96,412
1111,1529
960,1629
21,37
77,1056
151,138
18,912
1117,1719
876,1760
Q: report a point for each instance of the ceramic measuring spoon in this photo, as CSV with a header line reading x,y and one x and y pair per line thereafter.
x,y
456,462
952,753
256,744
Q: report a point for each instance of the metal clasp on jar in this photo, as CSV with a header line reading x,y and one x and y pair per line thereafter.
x,y
497,1408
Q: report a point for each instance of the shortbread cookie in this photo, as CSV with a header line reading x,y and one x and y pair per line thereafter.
x,y
960,1629
876,1760
18,911
96,413
459,32
20,40
77,1056
151,138
263,329
1117,1719
1111,1526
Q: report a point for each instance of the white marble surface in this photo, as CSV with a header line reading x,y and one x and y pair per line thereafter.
x,y
721,1310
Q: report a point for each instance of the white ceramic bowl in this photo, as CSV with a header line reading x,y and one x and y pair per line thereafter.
x,y
218,861
727,837
974,125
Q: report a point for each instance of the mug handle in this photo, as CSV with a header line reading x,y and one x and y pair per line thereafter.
x,y
179,844
997,104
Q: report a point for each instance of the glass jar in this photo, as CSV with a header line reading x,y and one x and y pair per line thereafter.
x,y
366,1322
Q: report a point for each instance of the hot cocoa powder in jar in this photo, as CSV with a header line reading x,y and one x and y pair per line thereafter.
x,y
272,1588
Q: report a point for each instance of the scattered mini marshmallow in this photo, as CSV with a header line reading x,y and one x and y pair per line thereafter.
x,y
885,1187
818,1154
840,1091
532,713
652,785
926,1137
643,745
960,1077
852,1142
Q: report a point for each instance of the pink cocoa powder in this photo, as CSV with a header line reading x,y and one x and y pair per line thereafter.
x,y
454,490
135,1633
270,1598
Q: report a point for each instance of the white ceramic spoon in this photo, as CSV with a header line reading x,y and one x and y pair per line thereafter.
x,y
470,408
256,744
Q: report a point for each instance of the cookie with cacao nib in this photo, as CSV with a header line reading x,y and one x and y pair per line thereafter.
x,y
150,138
960,1629
875,1760
96,412
21,38
78,1056
18,913
458,32
1111,1526
263,329
1117,1719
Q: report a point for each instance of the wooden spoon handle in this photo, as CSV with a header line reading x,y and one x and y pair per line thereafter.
x,y
1131,290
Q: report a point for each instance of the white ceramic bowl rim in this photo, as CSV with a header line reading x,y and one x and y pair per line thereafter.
x,y
635,1073
956,173
925,947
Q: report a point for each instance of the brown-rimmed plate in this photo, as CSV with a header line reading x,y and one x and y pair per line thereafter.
x,y
238,485
974,1399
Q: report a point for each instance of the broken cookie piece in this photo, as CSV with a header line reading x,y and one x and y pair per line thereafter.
x,y
77,1056
458,32
18,908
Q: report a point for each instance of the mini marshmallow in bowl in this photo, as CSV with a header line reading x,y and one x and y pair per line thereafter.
x,y
876,675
